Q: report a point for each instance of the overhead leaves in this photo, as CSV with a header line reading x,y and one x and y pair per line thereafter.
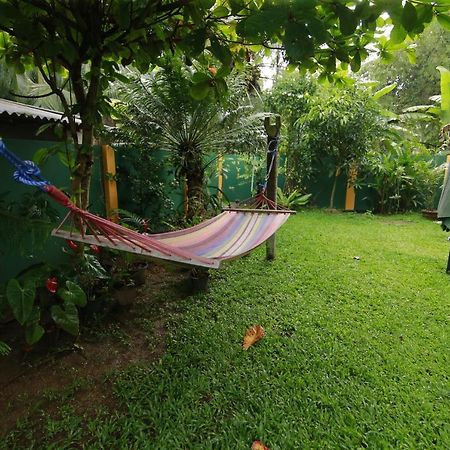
x,y
409,17
299,46
355,63
398,34
252,335
348,20
444,21
305,4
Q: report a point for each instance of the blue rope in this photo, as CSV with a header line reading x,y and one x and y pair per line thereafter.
x,y
27,172
272,150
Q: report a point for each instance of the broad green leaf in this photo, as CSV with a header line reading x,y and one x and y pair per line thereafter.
x,y
195,41
299,46
206,4
363,9
318,30
221,86
199,91
444,21
386,57
221,11
424,13
236,6
355,63
73,294
348,21
41,156
409,17
66,318
430,109
67,159
445,93
411,54
33,333
305,4
221,52
398,34
20,299
384,91
200,77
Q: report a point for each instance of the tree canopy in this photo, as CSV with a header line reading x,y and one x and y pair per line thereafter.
x,y
416,76
86,41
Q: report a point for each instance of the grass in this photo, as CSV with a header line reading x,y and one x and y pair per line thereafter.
x,y
356,353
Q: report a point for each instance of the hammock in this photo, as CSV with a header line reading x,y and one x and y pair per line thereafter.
x,y
229,235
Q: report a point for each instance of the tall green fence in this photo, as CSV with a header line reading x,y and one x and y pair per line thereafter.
x,y
11,260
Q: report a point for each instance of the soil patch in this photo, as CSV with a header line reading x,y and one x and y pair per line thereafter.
x,y
77,372
398,223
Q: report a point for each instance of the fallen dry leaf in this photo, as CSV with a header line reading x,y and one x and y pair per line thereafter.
x,y
253,335
258,445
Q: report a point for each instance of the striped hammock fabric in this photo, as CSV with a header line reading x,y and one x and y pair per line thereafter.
x,y
231,234
228,235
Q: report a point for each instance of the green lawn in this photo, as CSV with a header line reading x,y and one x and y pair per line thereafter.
x,y
356,353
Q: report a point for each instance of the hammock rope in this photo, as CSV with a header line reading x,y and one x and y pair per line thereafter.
x,y
273,151
27,172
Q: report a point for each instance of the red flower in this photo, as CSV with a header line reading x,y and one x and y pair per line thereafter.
x,y
72,245
52,285
95,248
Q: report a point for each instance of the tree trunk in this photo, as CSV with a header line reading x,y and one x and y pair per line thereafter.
x,y
333,190
195,195
87,100
81,176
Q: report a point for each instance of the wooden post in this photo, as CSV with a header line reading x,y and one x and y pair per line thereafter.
x,y
273,133
109,181
350,194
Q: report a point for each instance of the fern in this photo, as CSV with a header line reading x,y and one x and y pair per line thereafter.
x,y
294,200
25,223
18,233
132,220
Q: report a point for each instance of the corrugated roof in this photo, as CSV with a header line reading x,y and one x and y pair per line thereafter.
x,y
11,108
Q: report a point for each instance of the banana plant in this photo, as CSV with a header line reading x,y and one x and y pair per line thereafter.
x,y
439,110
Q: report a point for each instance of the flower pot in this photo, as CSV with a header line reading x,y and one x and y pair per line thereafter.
x,y
430,214
140,274
125,295
199,281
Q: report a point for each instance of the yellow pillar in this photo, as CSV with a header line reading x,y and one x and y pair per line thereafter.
x,y
220,177
109,180
350,194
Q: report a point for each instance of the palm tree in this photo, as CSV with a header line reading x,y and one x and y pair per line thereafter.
x,y
29,87
9,80
157,112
